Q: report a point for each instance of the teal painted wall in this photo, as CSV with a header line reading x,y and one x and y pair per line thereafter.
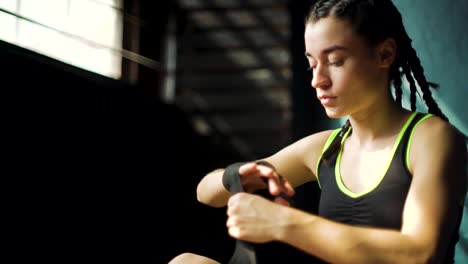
x,y
440,37
439,30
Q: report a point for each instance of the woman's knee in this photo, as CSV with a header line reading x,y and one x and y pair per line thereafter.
x,y
190,258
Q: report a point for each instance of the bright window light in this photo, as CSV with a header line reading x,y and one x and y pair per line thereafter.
x,y
84,33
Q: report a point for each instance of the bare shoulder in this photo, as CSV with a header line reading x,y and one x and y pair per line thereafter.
x,y
316,141
438,146
302,155
312,145
435,130
316,144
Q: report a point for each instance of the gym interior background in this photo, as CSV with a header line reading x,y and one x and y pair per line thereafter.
x,y
113,134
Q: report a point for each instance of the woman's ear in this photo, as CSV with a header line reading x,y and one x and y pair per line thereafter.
x,y
386,52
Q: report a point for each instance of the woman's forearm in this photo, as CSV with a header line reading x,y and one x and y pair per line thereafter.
x,y
211,191
340,243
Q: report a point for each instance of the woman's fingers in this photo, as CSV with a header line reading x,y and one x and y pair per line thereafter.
x,y
257,176
248,168
251,177
279,185
287,188
281,200
276,183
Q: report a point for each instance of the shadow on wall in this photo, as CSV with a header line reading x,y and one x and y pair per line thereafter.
x,y
463,242
105,172
461,251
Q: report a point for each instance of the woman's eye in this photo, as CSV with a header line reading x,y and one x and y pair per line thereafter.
x,y
311,68
337,63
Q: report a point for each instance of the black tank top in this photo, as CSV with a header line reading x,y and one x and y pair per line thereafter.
x,y
381,206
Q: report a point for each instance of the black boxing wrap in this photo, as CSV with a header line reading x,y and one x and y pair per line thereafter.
x,y
245,252
231,178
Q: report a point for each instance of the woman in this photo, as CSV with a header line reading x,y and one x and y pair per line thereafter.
x,y
393,181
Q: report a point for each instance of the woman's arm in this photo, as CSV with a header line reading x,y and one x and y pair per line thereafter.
x,y
211,191
438,163
296,163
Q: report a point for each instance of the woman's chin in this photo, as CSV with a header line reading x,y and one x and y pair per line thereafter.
x,y
334,113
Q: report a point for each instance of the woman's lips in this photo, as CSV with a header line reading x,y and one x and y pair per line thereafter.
x,y
327,100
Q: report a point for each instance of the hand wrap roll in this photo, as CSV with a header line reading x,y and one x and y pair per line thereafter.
x,y
244,252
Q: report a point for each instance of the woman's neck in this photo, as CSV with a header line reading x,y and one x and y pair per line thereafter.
x,y
381,121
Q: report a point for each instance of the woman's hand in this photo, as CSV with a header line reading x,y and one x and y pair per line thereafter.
x,y
256,176
254,218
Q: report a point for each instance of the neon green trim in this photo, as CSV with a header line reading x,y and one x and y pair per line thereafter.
x,y
408,147
325,147
338,162
330,139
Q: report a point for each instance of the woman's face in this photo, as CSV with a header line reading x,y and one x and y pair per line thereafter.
x,y
347,74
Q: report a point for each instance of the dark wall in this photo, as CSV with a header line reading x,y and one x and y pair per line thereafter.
x,y
104,170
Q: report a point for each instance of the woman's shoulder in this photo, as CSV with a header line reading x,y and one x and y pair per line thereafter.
x,y
319,139
434,131
310,147
433,128
307,146
439,150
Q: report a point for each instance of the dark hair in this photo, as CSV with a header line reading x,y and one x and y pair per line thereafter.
x,y
376,20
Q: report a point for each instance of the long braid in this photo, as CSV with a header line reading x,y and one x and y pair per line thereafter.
x,y
396,77
413,89
412,68
336,143
418,72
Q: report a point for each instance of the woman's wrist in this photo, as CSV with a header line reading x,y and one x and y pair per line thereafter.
x,y
231,177
293,222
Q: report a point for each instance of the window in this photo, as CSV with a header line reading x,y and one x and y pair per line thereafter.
x,y
84,33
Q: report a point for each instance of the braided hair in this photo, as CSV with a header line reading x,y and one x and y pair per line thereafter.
x,y
376,20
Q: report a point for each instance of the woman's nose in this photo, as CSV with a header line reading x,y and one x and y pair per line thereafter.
x,y
320,78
